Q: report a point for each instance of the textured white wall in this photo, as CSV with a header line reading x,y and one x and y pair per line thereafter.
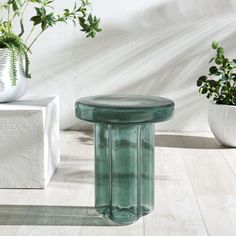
x,y
154,47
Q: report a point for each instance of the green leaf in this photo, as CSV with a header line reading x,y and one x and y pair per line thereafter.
x,y
36,19
220,51
212,83
213,70
38,1
204,90
234,100
203,78
233,77
215,45
218,61
16,5
90,19
199,83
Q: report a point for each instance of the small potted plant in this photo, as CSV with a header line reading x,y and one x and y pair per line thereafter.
x,y
16,46
220,87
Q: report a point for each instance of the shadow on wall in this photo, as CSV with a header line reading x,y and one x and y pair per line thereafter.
x,y
161,52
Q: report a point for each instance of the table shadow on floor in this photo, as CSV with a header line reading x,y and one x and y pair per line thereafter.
x,y
52,215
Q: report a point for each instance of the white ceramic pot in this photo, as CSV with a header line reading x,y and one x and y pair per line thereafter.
x,y
222,122
9,93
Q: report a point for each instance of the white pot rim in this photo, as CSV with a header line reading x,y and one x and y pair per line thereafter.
x,y
212,103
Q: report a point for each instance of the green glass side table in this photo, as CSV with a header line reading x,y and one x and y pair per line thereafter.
x,y
124,152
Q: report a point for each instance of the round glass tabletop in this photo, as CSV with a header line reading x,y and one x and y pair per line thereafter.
x,y
124,109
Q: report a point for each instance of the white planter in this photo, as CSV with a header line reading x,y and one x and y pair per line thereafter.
x,y
222,122
9,93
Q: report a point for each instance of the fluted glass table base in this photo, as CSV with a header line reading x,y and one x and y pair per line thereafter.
x,y
124,152
124,171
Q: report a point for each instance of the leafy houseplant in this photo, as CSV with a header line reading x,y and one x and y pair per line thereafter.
x,y
19,44
220,87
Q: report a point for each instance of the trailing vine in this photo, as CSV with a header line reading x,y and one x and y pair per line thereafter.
x,y
18,50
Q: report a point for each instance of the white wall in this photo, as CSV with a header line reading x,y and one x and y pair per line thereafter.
x,y
154,47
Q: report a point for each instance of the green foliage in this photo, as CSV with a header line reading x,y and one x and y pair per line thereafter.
x,y
44,18
18,50
220,83
79,14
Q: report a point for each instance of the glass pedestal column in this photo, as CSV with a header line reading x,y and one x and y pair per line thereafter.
x,y
124,171
124,151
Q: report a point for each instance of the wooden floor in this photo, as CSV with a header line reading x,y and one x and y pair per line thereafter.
x,y
195,193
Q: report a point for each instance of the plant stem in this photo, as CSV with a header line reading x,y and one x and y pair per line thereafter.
x,y
8,12
32,30
8,18
36,38
13,17
1,11
22,17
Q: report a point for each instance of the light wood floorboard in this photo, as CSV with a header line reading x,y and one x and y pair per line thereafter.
x,y
176,211
195,191
211,169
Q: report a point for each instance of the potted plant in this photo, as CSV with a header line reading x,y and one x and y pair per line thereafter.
x,y
16,46
220,87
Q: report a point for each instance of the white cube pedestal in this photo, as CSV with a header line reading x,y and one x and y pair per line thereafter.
x,y
29,142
